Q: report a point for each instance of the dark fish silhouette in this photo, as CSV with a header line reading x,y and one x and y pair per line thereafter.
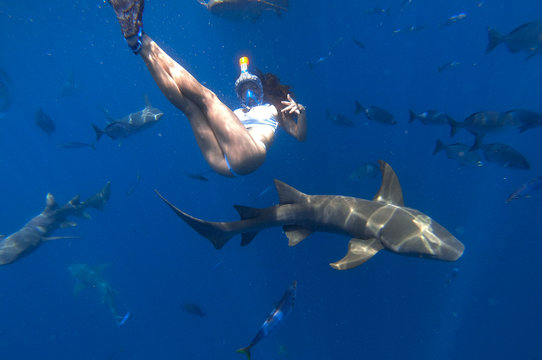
x,y
244,9
285,305
197,176
131,124
193,309
76,145
504,155
359,43
376,114
373,225
448,66
339,119
453,19
367,170
44,122
484,122
526,190
460,152
526,38
87,276
39,228
430,117
525,118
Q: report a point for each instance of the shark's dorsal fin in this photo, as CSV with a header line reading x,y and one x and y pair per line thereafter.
x,y
359,251
295,234
390,191
288,194
147,101
50,203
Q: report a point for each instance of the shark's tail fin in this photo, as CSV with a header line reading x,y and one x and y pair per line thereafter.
x,y
213,231
494,39
98,200
245,350
99,132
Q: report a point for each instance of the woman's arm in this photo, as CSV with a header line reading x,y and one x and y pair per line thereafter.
x,y
296,129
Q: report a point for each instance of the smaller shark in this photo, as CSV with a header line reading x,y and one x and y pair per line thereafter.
x,y
92,276
39,228
131,124
244,9
373,225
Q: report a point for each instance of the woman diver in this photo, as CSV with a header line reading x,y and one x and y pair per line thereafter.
x,y
232,142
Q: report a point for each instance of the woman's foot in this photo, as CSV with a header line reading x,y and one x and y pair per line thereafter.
x,y
130,16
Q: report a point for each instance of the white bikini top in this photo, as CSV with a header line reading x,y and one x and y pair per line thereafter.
x,y
261,115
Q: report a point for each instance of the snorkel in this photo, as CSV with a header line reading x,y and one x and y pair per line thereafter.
x,y
248,87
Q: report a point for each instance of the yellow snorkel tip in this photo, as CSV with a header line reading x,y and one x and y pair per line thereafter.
x,y
243,63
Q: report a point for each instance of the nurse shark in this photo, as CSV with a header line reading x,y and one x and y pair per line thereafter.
x,y
40,227
373,225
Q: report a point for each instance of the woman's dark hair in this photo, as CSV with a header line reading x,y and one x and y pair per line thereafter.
x,y
273,91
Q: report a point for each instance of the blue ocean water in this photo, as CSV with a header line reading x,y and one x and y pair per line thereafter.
x,y
485,305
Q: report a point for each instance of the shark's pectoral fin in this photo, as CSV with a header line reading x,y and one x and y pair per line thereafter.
x,y
359,251
295,234
67,224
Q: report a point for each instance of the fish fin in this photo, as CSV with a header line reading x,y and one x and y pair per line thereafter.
x,y
247,237
147,101
494,39
296,234
439,146
288,194
454,126
67,224
359,108
60,238
412,115
247,212
359,251
99,132
477,142
390,191
98,200
210,230
245,350
50,203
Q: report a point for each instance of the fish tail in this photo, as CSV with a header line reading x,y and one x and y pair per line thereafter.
x,y
494,39
439,147
214,232
99,132
359,108
412,116
245,350
454,127
98,200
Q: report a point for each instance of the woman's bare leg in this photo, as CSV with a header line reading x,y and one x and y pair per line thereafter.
x,y
217,129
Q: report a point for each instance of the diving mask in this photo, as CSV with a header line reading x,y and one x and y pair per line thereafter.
x,y
248,87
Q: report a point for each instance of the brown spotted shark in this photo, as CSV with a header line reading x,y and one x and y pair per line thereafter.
x,y
39,228
373,225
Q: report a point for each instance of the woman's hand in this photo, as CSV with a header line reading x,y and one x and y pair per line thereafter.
x,y
292,106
